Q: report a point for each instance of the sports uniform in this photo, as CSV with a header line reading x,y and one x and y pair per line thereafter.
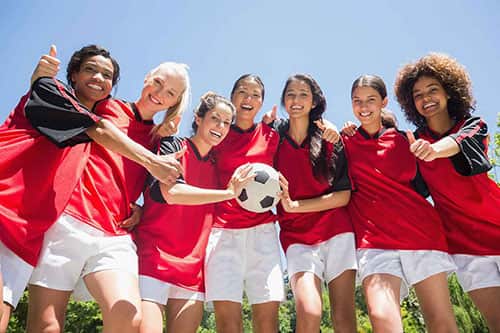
x,y
303,235
468,202
44,151
397,231
171,239
243,249
87,237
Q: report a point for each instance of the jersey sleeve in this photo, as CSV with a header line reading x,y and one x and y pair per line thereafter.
x,y
472,139
56,113
341,180
167,145
419,184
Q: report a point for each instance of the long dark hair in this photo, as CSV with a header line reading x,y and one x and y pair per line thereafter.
x,y
323,167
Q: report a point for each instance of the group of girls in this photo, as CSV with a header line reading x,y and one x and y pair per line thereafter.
x,y
350,203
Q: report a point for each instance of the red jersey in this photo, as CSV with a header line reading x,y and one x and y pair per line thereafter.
x,y
257,144
467,200
171,239
110,182
386,211
44,152
293,161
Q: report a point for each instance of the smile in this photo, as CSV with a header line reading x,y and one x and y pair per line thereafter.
x,y
216,134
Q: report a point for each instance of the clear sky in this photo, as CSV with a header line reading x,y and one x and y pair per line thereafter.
x,y
220,40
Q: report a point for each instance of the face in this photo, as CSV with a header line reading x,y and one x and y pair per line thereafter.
x,y
162,90
429,97
367,105
247,98
298,99
94,80
214,126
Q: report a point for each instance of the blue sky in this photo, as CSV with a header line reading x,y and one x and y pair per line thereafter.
x,y
220,40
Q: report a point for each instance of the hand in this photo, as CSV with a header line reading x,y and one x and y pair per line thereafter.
x,y
240,178
330,132
421,148
166,168
134,218
286,202
271,115
47,66
349,128
169,128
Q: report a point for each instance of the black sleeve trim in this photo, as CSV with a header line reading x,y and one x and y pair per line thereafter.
x,y
471,138
56,113
419,184
167,145
281,126
342,180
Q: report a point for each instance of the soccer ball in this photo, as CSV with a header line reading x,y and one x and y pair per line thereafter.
x,y
261,194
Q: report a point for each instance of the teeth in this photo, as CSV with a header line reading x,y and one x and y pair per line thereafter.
x,y
94,86
154,100
297,107
214,133
246,107
365,114
429,105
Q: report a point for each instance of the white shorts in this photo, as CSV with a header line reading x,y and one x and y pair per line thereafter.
x,y
326,260
73,249
160,292
411,266
15,275
244,259
477,272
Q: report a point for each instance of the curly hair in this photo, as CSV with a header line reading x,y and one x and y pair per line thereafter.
x,y
323,167
450,74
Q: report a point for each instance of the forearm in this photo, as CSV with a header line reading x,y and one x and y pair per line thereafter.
x,y
324,202
184,194
110,137
446,147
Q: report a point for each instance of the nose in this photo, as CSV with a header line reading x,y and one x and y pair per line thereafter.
x,y
99,76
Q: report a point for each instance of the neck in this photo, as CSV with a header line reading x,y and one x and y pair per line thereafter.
x,y
88,104
145,113
201,145
244,124
298,129
440,123
372,128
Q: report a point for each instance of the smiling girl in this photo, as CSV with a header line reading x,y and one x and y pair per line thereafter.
x,y
316,231
399,236
451,146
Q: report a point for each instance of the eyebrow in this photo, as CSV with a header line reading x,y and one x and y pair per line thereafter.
x,y
427,86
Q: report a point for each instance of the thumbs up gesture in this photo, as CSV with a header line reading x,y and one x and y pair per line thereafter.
x,y
270,115
48,65
422,149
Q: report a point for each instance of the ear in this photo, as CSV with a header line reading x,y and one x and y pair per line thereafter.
x,y
73,77
197,120
385,101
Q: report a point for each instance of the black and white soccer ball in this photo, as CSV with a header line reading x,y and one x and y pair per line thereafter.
x,y
261,194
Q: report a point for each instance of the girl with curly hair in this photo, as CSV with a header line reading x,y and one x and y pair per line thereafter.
x,y
316,231
451,147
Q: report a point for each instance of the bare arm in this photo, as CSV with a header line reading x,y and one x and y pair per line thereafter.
x,y
321,203
164,168
184,194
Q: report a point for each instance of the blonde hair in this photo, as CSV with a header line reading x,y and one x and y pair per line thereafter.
x,y
178,109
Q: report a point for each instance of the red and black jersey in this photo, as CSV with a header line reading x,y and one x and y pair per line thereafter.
x,y
110,182
293,161
257,144
467,200
386,211
41,162
171,239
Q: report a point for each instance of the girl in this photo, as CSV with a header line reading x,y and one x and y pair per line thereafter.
x,y
435,94
316,232
45,150
171,257
90,240
243,249
399,236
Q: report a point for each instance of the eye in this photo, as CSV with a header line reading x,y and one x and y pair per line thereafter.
x,y
89,69
417,96
108,76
